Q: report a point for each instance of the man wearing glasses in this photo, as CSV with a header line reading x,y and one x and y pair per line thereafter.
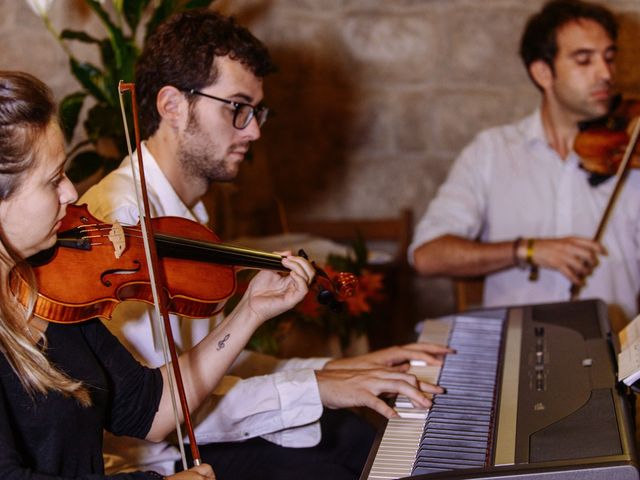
x,y
199,88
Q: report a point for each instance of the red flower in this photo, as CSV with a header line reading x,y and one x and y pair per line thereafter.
x,y
370,286
309,305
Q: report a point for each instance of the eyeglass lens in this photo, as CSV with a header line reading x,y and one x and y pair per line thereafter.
x,y
244,113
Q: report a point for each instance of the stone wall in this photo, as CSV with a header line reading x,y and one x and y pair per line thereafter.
x,y
373,98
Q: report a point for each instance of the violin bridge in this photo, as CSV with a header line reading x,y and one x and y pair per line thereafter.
x,y
116,236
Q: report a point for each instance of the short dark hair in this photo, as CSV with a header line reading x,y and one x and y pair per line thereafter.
x,y
182,53
539,40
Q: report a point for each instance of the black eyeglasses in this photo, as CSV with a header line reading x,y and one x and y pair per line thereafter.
x,y
243,113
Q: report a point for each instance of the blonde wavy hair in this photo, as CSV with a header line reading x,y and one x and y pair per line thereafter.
x,y
26,111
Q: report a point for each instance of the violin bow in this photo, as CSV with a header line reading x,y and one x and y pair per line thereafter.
x,y
623,168
155,275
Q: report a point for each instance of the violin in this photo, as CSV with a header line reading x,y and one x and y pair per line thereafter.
x,y
607,147
94,266
601,142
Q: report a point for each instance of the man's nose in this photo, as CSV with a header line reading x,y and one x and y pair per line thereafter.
x,y
252,131
606,69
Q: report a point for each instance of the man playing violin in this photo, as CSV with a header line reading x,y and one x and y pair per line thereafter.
x,y
62,384
199,85
517,205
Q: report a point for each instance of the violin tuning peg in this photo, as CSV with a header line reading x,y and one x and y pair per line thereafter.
x,y
325,297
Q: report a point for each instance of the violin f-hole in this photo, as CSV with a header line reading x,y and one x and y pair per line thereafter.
x,y
119,271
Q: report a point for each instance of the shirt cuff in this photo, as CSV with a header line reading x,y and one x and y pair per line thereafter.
x,y
301,410
282,408
302,363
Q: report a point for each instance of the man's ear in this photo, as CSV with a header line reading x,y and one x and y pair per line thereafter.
x,y
541,73
172,105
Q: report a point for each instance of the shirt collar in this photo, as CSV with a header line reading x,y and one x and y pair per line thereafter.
x,y
533,129
172,204
534,133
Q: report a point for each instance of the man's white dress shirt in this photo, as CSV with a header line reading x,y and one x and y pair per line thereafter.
x,y
276,399
510,183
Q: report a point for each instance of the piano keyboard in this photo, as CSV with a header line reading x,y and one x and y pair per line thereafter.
x,y
531,393
454,433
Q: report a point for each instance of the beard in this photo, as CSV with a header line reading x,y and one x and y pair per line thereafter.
x,y
202,159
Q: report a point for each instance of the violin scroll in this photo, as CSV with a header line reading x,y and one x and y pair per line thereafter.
x,y
332,291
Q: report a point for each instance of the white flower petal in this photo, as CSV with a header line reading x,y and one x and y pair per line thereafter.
x,y
40,7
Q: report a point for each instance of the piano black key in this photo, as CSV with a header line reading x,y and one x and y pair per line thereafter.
x,y
444,400
457,444
427,470
461,455
455,435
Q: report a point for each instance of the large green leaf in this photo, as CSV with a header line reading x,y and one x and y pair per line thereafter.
x,y
103,121
196,4
132,11
116,36
84,165
90,77
167,7
76,35
162,11
113,73
70,107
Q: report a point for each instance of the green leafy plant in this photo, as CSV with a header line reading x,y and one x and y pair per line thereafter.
x,y
104,144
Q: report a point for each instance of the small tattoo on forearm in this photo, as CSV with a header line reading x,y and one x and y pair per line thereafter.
x,y
221,343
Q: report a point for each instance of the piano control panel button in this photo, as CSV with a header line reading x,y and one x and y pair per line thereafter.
x,y
587,362
540,386
539,407
538,373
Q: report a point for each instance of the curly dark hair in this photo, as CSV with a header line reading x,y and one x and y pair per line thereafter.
x,y
539,40
182,53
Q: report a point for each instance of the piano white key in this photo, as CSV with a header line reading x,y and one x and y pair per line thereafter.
x,y
412,412
471,376
398,448
399,445
436,331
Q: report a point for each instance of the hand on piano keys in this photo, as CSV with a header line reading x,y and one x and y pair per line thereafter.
x,y
398,356
343,388
360,381
462,408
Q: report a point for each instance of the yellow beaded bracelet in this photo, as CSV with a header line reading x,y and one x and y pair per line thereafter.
x,y
533,271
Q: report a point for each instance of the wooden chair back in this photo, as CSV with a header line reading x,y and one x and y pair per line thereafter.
x,y
468,293
394,230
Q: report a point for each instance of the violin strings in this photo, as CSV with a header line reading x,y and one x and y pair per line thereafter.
x,y
235,255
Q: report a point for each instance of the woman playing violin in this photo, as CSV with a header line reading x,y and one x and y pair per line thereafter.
x,y
61,385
